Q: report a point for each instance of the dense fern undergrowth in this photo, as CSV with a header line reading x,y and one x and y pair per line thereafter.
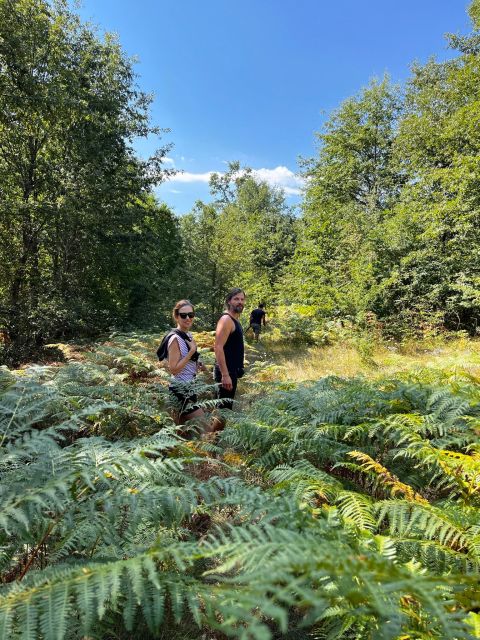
x,y
338,508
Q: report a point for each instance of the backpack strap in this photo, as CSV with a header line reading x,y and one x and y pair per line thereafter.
x,y
162,351
181,334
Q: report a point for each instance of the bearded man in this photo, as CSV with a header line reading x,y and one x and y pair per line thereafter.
x,y
229,348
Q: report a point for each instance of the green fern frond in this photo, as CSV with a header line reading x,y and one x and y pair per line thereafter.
x,y
357,509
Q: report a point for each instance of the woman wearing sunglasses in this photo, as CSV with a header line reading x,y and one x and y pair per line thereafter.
x,y
183,362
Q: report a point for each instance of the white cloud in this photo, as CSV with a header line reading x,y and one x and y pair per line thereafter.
x,y
291,191
280,177
169,161
187,176
174,191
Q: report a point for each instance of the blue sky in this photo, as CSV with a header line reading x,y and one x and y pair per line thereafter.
x,y
253,80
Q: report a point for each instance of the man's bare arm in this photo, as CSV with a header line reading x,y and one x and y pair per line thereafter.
x,y
224,328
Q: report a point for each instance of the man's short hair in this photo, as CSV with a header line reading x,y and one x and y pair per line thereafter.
x,y
261,305
233,293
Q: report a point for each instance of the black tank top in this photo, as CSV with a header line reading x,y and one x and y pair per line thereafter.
x,y
233,348
257,315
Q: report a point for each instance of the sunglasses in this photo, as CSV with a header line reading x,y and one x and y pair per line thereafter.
x,y
184,316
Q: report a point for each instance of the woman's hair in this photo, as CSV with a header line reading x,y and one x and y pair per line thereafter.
x,y
178,306
232,293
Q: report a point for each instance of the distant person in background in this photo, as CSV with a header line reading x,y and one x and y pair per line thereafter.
x,y
229,350
257,318
183,362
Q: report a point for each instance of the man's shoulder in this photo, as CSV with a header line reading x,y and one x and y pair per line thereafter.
x,y
225,317
225,320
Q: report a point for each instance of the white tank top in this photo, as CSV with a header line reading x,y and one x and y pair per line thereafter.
x,y
189,371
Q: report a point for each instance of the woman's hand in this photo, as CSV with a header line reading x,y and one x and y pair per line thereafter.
x,y
193,347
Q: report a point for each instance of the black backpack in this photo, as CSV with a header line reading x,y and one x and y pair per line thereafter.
x,y
162,351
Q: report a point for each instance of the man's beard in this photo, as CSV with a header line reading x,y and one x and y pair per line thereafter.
x,y
236,308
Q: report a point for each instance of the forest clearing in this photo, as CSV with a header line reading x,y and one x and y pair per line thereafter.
x,y
342,499
329,507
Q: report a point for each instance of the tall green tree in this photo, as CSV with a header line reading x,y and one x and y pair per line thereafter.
x,y
74,196
350,186
207,270
433,236
244,238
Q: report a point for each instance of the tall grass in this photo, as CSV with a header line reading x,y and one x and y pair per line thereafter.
x,y
297,363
